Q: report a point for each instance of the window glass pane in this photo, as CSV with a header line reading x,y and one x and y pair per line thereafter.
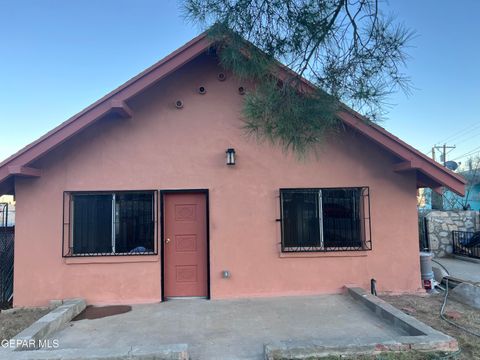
x,y
300,219
92,224
134,224
341,218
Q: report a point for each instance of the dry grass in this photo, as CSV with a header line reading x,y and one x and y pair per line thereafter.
x,y
14,322
412,355
427,310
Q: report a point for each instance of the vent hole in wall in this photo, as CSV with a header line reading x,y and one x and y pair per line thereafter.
x,y
202,90
241,90
221,76
179,104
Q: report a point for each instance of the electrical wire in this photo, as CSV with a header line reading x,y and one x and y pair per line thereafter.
x,y
444,268
442,311
451,355
470,136
442,316
462,132
469,152
465,137
459,135
468,155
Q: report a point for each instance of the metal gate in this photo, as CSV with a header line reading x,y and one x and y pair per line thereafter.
x,y
7,235
423,232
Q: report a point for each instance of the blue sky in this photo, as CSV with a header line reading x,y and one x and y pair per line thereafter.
x,y
58,56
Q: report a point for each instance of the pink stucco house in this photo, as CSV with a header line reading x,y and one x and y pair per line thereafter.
x,y
154,192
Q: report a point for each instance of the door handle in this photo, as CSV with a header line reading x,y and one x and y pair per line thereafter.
x,y
167,241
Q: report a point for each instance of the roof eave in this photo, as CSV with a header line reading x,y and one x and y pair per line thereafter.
x,y
117,102
412,158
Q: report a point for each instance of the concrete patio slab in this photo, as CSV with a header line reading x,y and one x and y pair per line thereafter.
x,y
466,271
233,329
159,352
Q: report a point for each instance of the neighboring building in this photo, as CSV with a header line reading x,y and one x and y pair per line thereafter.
x,y
452,201
7,211
424,198
136,195
474,197
471,200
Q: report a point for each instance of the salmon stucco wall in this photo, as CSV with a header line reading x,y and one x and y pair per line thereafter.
x,y
162,147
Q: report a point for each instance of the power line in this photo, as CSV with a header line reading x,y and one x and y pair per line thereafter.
x,y
466,131
461,131
470,152
443,148
471,137
469,155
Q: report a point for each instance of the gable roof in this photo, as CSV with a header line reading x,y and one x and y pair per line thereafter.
x,y
429,173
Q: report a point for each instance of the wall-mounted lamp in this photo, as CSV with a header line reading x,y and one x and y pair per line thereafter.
x,y
230,156
226,274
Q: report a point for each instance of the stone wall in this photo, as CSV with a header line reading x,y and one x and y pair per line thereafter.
x,y
440,225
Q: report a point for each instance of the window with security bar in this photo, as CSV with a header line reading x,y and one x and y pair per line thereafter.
x,y
109,223
330,219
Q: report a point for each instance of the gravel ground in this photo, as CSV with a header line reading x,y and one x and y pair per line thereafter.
x,y
11,323
427,309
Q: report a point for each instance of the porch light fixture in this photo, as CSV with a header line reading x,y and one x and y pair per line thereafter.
x,y
230,156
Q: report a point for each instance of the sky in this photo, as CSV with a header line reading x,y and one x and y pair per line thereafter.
x,y
59,56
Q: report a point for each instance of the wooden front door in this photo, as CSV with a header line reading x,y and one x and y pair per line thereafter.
x,y
185,245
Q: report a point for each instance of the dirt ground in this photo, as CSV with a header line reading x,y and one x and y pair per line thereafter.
x,y
12,323
427,310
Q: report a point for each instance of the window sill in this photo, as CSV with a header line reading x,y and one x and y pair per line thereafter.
x,y
111,259
319,254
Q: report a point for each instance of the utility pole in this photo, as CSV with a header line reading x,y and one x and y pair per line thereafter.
x,y
437,199
445,153
443,148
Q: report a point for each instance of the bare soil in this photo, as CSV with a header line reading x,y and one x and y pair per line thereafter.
x,y
11,323
427,310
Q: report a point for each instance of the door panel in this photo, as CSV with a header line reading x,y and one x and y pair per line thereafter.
x,y
185,245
